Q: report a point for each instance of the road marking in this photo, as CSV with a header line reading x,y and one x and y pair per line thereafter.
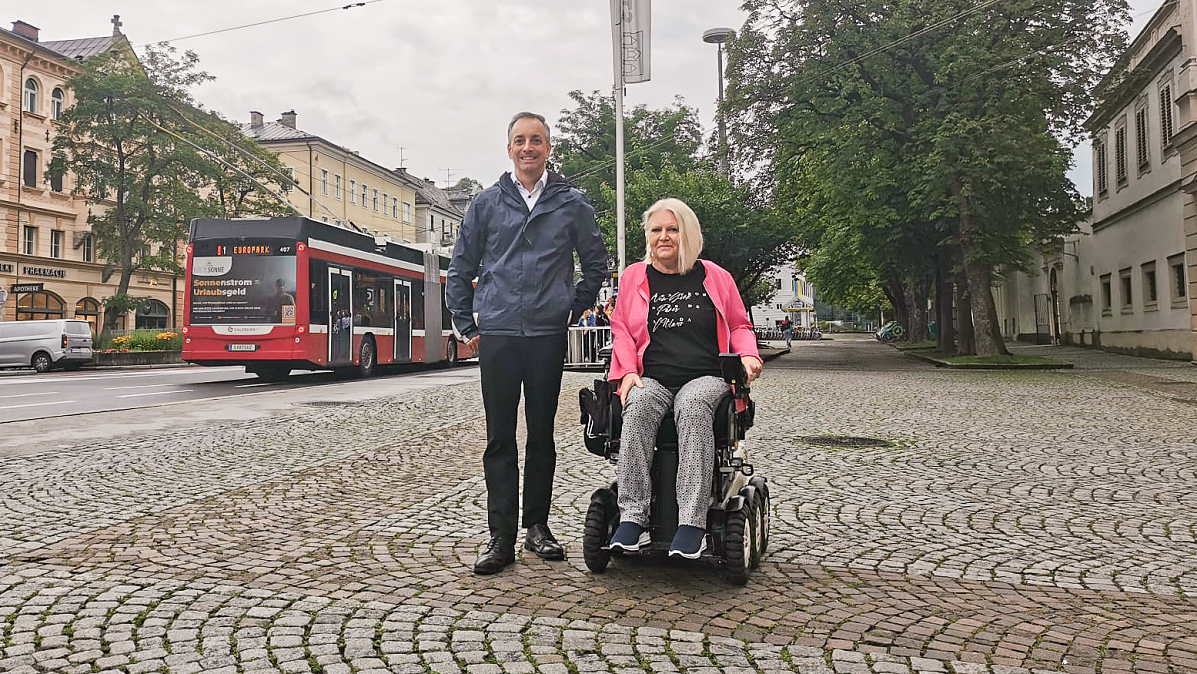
x,y
122,388
124,375
26,395
155,393
56,402
261,383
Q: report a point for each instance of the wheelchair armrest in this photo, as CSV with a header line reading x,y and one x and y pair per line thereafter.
x,y
734,374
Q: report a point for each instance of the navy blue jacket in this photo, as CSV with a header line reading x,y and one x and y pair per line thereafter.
x,y
526,286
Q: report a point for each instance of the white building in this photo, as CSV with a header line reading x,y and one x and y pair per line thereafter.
x,y
793,296
1121,283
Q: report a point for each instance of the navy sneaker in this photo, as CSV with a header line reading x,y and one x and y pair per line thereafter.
x,y
688,542
629,536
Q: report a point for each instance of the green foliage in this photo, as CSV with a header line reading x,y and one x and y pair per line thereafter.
x,y
890,140
584,143
141,340
121,141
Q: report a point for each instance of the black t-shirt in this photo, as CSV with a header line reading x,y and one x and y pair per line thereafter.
x,y
682,326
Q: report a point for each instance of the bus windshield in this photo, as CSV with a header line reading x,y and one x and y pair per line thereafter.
x,y
242,281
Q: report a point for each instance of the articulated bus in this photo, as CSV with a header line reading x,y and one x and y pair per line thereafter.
x,y
290,293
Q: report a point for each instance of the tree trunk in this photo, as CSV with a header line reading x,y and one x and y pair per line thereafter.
x,y
943,302
896,293
987,332
916,313
122,288
966,344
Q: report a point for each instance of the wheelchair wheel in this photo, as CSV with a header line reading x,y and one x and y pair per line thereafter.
x,y
762,493
738,544
756,513
601,518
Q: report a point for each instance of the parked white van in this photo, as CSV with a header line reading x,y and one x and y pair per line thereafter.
x,y
44,345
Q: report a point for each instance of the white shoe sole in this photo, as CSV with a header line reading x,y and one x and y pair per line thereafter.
x,y
690,555
645,539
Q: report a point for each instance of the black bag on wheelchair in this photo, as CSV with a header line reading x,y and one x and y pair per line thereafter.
x,y
596,414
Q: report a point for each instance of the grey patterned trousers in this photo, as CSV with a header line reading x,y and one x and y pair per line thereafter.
x,y
694,414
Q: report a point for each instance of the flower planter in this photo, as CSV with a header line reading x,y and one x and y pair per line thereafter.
x,y
136,358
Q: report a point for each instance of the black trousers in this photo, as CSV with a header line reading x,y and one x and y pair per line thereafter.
x,y
507,364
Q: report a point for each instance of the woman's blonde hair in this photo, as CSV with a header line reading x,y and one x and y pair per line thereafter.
x,y
689,232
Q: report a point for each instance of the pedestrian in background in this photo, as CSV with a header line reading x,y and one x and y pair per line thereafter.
x,y
787,330
523,232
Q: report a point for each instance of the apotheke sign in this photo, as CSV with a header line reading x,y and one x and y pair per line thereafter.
x,y
43,271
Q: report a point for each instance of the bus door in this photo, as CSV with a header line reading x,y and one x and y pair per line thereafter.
x,y
402,321
340,316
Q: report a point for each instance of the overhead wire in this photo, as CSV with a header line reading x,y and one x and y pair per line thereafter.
x,y
352,5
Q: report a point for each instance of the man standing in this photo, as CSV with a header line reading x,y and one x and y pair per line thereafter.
x,y
787,330
522,231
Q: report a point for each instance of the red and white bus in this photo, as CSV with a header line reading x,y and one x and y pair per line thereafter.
x,y
292,293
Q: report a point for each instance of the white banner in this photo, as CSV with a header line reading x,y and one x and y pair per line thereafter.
x,y
631,29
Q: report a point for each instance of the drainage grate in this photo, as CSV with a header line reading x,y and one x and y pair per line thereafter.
x,y
843,441
330,403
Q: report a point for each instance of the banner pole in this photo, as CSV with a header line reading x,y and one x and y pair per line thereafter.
x,y
617,59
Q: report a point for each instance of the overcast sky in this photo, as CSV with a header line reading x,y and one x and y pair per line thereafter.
x,y
438,78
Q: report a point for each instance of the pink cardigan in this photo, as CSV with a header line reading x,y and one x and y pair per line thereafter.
x,y
629,321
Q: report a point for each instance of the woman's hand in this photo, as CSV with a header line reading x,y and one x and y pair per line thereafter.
x,y
625,385
752,366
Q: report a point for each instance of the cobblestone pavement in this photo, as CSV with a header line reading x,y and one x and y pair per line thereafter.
x,y
1018,521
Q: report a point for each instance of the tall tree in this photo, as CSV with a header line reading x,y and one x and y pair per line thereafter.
x,y
123,141
959,113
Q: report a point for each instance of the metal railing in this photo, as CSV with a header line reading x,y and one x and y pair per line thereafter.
x,y
584,346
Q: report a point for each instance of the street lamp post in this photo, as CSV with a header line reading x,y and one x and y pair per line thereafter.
x,y
718,36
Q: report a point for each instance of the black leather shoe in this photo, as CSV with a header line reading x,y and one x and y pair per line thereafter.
x,y
540,540
499,553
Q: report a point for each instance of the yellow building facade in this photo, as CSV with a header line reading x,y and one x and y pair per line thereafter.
x,y
48,262
344,186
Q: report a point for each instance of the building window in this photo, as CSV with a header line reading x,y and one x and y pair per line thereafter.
x,y
1124,286
56,182
374,194
56,242
1107,300
364,191
337,187
1102,159
324,182
57,103
29,240
395,209
1120,154
288,182
385,208
39,306
30,99
89,310
1176,267
1166,128
406,212
29,170
89,250
1141,137
152,315
1149,287
353,191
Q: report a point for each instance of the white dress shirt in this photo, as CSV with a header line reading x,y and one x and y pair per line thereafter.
x,y
531,197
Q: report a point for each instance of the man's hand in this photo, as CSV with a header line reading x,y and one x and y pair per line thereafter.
x,y
625,385
752,366
472,345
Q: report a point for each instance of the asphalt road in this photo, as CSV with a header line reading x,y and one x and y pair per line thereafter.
x,y
29,396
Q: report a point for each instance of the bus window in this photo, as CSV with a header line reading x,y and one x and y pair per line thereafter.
x,y
417,305
317,291
385,306
365,299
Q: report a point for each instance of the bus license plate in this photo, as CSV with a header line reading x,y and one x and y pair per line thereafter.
x,y
243,347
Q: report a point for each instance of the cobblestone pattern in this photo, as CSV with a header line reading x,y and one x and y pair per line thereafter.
x,y
1021,521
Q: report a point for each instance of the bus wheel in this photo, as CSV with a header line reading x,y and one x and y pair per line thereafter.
x,y
269,372
451,351
366,358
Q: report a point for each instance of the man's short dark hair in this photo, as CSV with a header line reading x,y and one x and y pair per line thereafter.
x,y
528,115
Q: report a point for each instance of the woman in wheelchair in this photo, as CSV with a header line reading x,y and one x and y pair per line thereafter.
x,y
674,316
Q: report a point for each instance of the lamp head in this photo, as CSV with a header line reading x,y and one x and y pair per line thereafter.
x,y
716,35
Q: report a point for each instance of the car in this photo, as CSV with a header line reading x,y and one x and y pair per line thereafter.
x,y
46,344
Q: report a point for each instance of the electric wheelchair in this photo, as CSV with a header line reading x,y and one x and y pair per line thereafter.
x,y
738,517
